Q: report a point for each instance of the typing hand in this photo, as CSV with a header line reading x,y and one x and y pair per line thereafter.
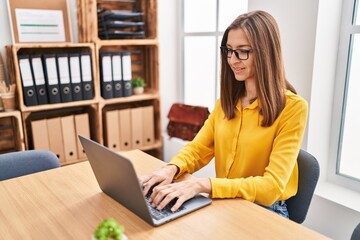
x,y
159,177
162,195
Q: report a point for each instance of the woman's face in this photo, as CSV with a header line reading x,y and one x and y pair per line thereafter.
x,y
243,69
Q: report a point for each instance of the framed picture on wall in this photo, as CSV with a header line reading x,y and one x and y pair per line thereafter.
x,y
39,21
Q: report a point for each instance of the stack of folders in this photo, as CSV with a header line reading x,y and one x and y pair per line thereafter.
x,y
55,78
119,24
59,135
130,128
116,74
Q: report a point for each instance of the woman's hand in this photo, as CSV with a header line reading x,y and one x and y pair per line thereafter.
x,y
182,191
161,176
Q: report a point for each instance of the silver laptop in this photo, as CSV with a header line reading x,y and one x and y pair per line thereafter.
x,y
117,178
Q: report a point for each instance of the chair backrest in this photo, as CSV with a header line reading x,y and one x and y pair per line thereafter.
x,y
309,171
21,163
356,233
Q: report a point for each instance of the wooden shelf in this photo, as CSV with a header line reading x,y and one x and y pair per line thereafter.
x,y
88,19
45,49
126,42
145,64
133,98
45,107
16,141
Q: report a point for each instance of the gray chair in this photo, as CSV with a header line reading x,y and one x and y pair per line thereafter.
x,y
21,163
309,171
356,233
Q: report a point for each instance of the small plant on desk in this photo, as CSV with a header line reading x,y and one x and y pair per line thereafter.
x,y
109,229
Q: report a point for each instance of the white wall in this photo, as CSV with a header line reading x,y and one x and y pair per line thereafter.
x,y
308,30
297,28
5,35
310,38
169,43
309,35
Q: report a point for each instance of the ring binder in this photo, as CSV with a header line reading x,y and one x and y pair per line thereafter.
x,y
106,76
51,78
64,77
86,76
29,92
127,74
75,76
117,74
39,79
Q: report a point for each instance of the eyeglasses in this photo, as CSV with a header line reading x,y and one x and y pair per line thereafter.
x,y
240,54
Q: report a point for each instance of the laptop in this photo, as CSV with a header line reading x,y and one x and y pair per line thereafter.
x,y
117,178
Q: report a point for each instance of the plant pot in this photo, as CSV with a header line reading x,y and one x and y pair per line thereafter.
x,y
124,237
138,90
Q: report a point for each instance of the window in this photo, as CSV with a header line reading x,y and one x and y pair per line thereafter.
x,y
345,169
204,22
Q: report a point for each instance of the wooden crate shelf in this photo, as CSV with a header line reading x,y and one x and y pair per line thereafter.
x,y
88,18
52,49
145,64
12,135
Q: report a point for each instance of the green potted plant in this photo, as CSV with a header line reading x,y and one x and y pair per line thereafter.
x,y
138,85
109,229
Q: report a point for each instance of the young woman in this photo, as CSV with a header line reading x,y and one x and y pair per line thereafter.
x,y
254,132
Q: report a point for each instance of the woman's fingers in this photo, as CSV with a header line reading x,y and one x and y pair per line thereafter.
x,y
161,177
177,192
158,197
144,178
179,202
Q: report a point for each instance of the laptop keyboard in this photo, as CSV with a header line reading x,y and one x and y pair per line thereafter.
x,y
166,211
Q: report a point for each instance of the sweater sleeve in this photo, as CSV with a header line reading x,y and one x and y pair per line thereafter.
x,y
199,152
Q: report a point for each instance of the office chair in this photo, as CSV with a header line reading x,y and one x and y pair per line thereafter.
x,y
356,233
309,171
21,163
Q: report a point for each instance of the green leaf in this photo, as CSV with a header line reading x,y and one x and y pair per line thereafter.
x,y
109,229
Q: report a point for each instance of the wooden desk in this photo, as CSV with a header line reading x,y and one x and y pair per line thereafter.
x,y
67,203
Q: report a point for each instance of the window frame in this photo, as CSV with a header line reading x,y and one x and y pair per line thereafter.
x,y
183,35
340,94
217,34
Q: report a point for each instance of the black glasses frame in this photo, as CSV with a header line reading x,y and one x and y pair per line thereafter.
x,y
225,50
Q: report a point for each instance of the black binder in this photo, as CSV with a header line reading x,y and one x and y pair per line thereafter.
x,y
106,76
27,81
127,73
51,78
62,61
39,79
75,76
86,76
117,74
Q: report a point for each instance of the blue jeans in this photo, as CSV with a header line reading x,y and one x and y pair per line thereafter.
x,y
278,207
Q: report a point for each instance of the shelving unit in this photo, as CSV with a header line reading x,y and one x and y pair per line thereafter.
x,y
50,48
145,64
30,113
12,136
148,56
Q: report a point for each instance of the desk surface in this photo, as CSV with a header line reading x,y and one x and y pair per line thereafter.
x,y
67,203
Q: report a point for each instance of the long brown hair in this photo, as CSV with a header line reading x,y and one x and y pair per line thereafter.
x,y
263,34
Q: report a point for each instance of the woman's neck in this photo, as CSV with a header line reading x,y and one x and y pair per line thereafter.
x,y
251,93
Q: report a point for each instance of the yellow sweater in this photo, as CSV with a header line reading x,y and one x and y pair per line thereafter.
x,y
252,162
